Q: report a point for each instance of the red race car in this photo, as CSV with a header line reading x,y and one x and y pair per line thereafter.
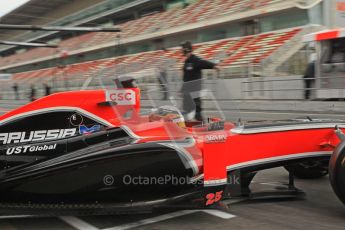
x,y
93,152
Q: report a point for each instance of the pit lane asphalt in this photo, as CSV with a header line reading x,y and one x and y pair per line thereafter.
x,y
320,209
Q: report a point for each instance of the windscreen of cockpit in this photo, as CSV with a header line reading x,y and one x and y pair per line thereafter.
x,y
211,99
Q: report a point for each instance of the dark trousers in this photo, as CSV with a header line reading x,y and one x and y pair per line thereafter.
x,y
191,98
164,89
309,77
16,95
191,104
308,84
198,109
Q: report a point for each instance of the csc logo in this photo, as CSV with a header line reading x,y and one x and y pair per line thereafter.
x,y
122,97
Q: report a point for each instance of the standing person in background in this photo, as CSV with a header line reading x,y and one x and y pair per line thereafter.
x,y
15,90
309,75
47,89
32,93
192,82
163,82
162,75
309,78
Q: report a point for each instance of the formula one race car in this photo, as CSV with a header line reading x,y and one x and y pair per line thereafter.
x,y
92,152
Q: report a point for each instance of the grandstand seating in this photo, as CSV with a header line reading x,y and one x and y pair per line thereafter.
x,y
199,11
238,52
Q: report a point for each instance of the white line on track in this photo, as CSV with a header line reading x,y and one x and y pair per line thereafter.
x,y
77,223
82,225
220,214
152,220
217,213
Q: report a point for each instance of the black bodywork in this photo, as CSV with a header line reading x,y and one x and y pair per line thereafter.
x,y
96,167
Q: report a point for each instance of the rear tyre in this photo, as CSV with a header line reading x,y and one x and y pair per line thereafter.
x,y
309,170
337,171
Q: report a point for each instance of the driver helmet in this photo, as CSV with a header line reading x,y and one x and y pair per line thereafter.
x,y
168,114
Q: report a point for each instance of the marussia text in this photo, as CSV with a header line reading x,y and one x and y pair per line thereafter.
x,y
40,135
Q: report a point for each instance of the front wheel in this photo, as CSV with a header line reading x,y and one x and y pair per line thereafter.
x,y
337,171
309,170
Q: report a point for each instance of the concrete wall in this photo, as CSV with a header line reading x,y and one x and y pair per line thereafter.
x,y
278,88
263,88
